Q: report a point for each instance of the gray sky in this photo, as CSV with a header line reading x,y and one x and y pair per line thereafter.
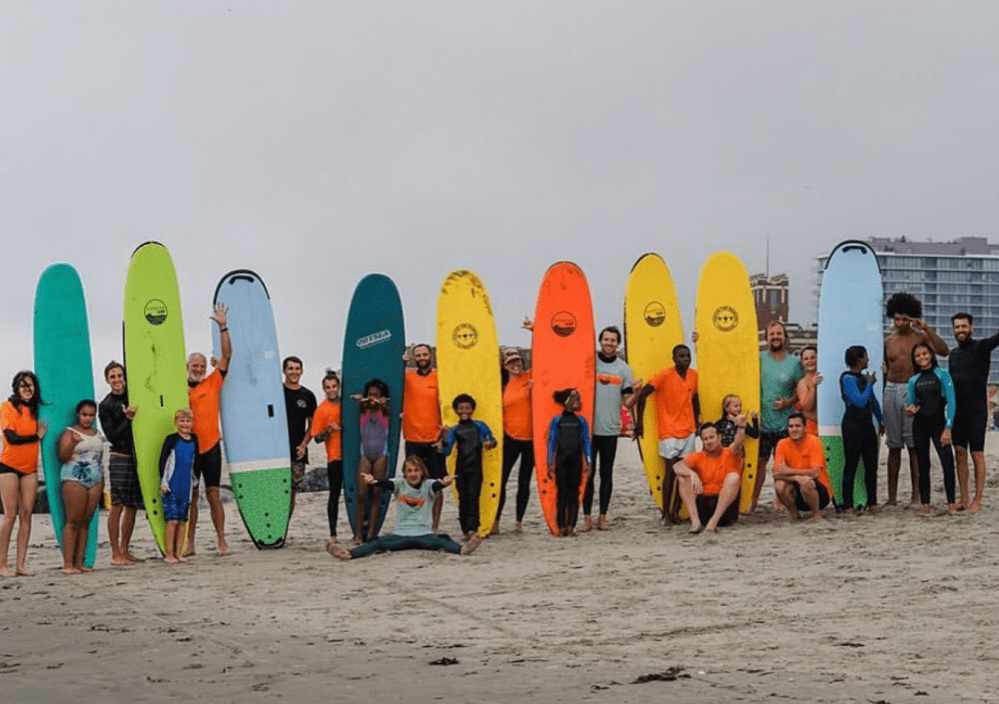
x,y
314,142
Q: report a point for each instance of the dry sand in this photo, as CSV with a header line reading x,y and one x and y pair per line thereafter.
x,y
892,608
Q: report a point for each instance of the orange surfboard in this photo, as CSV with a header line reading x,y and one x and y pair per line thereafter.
x,y
563,355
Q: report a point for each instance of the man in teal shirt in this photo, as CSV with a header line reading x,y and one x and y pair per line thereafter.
x,y
780,372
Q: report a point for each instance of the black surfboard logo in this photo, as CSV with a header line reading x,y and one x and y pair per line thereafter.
x,y
465,336
563,323
655,314
155,311
725,318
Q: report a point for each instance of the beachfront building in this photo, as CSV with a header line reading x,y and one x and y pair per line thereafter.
x,y
770,295
948,277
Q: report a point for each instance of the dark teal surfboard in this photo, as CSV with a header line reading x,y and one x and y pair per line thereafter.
x,y
373,346
65,373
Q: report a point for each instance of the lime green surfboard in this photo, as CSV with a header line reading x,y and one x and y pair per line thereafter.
x,y
155,365
66,377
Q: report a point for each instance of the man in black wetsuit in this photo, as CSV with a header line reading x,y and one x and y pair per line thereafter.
x,y
969,368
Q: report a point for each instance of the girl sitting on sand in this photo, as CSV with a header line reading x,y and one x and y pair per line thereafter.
x,y
414,493
731,410
374,405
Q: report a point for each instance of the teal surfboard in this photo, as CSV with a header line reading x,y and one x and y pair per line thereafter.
x,y
155,365
373,346
254,422
65,373
850,313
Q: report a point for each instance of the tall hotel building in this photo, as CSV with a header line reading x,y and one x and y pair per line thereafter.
x,y
948,277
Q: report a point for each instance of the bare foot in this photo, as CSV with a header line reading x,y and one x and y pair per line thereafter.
x,y
171,560
70,570
518,527
338,551
925,510
495,530
24,572
472,544
132,558
223,547
121,561
961,505
603,523
331,541
84,568
975,506
891,502
849,513
711,529
357,540
7,572
189,552
694,530
952,509
914,499
587,524
874,509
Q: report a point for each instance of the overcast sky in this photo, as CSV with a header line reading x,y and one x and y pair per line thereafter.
x,y
314,142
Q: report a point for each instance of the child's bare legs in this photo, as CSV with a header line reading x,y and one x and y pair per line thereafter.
x,y
18,495
178,545
74,499
170,539
363,490
379,469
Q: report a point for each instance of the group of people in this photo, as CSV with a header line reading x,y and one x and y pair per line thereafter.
x,y
923,404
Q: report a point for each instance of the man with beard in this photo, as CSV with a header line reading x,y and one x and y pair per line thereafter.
x,y
203,395
780,372
969,368
421,419
905,311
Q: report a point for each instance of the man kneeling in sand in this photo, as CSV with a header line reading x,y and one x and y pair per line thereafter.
x,y
709,480
800,477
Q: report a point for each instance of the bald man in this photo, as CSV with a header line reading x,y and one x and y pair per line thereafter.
x,y
203,395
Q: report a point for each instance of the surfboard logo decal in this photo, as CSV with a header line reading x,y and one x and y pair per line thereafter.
x,y
725,318
655,314
465,336
563,323
155,312
375,338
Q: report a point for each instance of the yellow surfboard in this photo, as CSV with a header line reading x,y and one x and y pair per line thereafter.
x,y
728,351
652,328
468,363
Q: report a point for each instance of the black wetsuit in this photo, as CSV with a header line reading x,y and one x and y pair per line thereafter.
x,y
968,364
860,438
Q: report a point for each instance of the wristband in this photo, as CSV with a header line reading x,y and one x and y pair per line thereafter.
x,y
225,329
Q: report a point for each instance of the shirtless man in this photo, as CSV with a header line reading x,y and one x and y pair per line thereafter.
x,y
905,311
808,387
203,396
969,368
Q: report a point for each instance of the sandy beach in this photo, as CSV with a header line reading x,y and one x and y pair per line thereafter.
x,y
891,608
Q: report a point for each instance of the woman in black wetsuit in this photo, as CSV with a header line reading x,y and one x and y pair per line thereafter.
x,y
931,406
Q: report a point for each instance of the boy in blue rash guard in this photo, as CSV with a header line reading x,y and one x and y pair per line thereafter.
x,y
568,450
860,439
471,437
931,407
177,482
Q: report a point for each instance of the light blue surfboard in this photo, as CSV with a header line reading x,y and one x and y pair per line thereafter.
x,y
850,313
65,373
254,424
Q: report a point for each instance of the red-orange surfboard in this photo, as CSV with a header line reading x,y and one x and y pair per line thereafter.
x,y
563,355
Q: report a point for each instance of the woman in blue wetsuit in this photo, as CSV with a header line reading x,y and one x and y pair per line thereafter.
x,y
931,406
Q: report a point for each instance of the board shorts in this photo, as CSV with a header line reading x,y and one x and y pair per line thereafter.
x,y
674,448
768,443
175,508
969,431
125,489
706,505
800,502
209,465
84,473
298,468
898,426
7,469
433,459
